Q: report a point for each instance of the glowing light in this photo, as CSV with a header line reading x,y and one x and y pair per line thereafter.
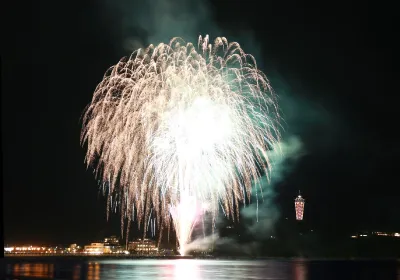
x,y
175,123
299,206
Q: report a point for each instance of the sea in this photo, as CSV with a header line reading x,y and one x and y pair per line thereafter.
x,y
198,269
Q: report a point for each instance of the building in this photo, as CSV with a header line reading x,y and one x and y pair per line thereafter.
x,y
29,249
143,247
74,248
97,248
113,243
299,207
386,234
376,234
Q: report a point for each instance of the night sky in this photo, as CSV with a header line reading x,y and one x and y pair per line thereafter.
x,y
333,63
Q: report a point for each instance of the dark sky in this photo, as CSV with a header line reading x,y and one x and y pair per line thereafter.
x,y
334,63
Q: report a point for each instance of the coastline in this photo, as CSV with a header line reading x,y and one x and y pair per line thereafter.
x,y
82,257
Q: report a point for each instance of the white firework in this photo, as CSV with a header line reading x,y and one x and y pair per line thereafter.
x,y
176,123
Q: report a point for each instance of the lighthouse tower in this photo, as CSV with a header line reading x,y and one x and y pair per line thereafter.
x,y
299,207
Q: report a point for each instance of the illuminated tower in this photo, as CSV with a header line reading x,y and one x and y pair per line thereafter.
x,y
299,206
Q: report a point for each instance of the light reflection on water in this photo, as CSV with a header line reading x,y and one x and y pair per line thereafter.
x,y
195,269
300,270
37,270
184,269
191,269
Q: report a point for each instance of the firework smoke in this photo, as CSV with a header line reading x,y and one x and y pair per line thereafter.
x,y
175,126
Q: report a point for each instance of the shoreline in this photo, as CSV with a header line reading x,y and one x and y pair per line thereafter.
x,y
32,257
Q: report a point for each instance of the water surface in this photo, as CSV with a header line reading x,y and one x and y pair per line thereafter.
x,y
192,269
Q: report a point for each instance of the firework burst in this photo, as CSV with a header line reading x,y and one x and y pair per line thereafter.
x,y
178,125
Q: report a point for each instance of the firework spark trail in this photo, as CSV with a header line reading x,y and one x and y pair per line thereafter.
x,y
184,216
175,123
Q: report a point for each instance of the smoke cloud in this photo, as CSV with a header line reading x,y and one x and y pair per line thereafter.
x,y
135,24
139,23
261,214
259,217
